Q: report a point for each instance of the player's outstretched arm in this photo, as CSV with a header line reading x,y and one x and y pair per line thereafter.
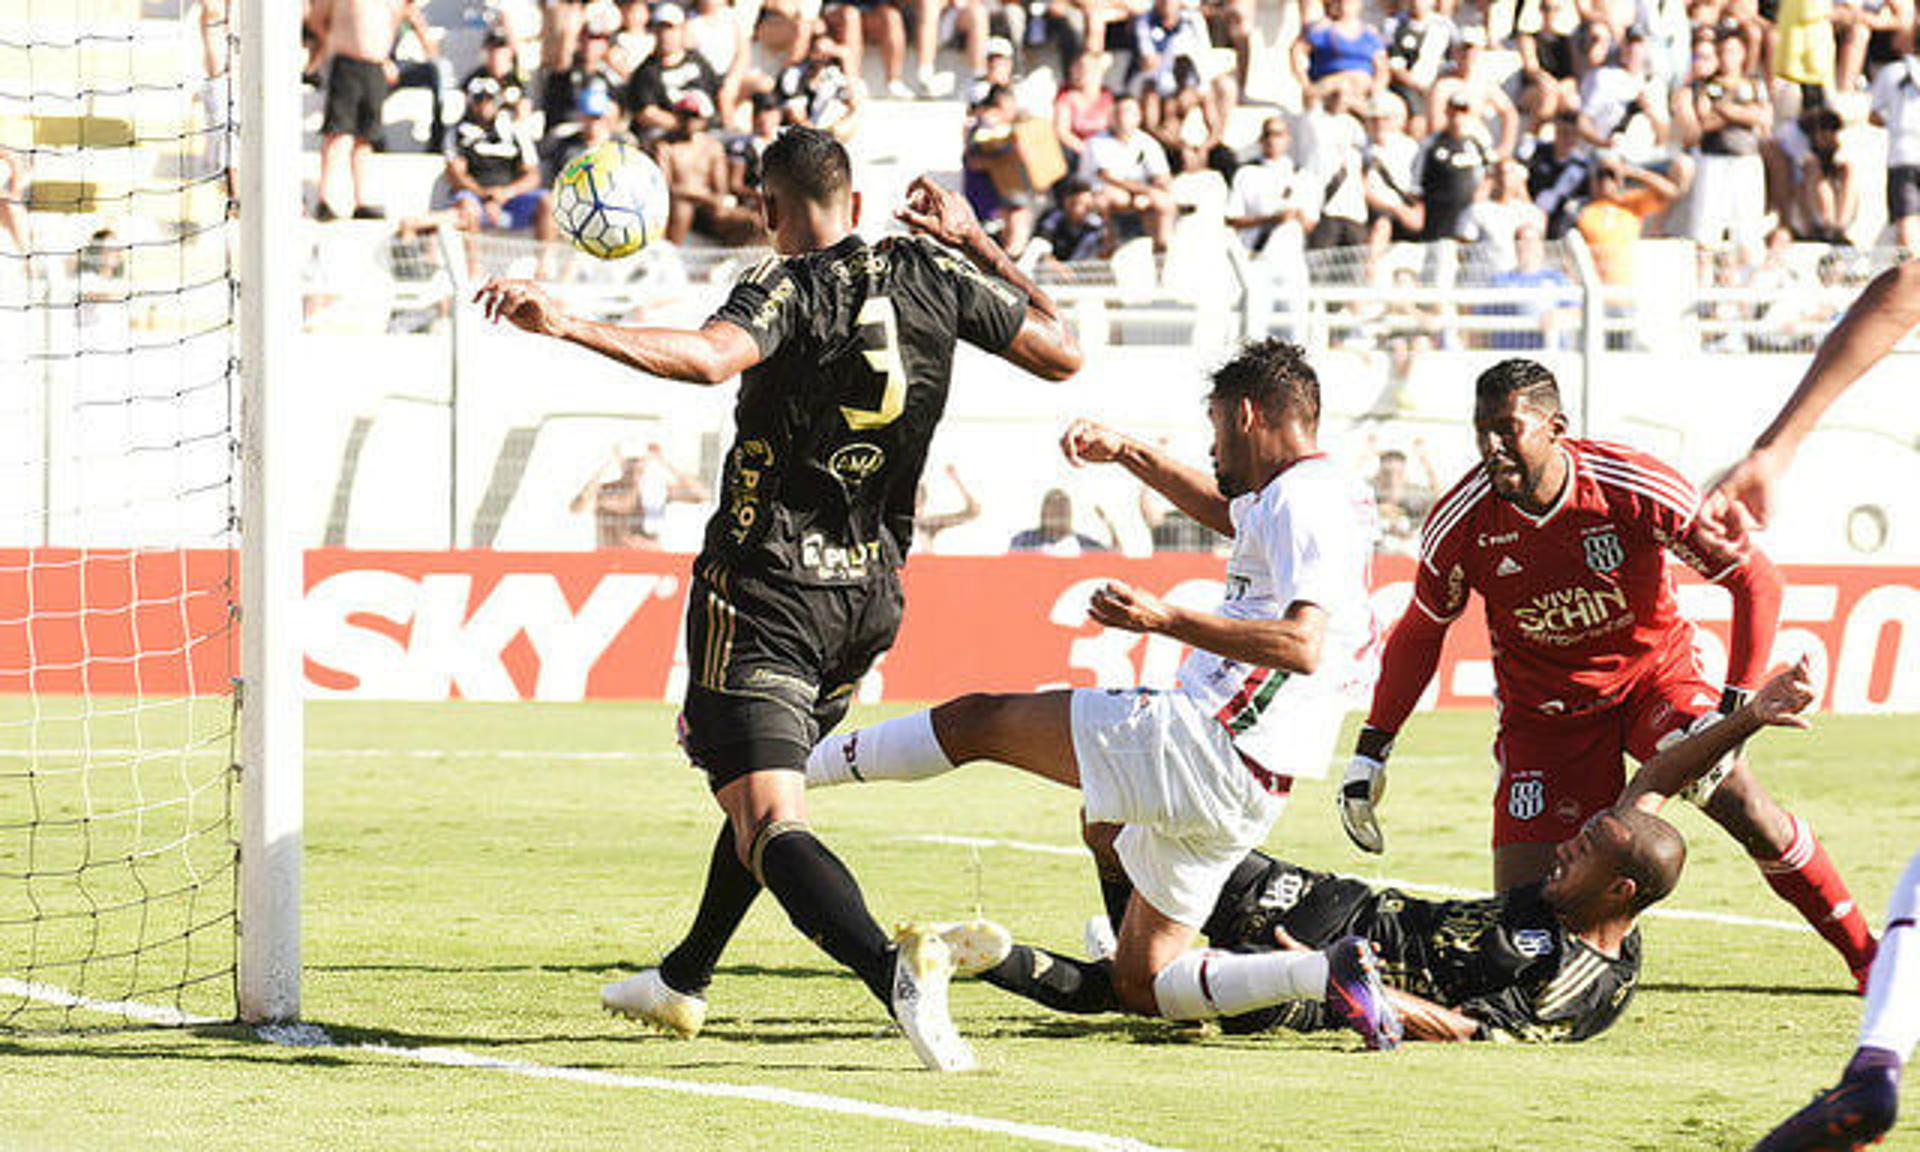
x,y
1191,490
1044,345
1781,702
1884,313
708,355
1291,644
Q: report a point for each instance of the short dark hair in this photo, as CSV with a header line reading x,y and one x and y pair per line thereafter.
x,y
1274,375
1527,378
1653,856
808,163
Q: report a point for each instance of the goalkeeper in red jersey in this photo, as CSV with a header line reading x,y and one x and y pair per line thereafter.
x,y
1565,541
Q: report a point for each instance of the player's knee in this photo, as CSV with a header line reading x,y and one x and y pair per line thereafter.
x,y
1133,985
969,727
1099,838
764,834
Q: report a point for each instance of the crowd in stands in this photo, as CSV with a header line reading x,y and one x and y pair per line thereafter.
x,y
1494,124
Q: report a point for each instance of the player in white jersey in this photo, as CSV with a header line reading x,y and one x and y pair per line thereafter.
x,y
1183,783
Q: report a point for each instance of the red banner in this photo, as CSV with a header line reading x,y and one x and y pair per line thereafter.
x,y
606,625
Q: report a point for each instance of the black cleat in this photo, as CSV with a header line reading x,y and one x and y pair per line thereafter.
x,y
1853,1114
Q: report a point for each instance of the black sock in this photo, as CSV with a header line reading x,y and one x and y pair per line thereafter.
x,y
824,902
730,891
1115,892
1082,987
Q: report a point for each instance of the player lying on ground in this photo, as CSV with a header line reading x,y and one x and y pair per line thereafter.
x,y
845,352
1565,542
1555,959
1198,775
1863,1106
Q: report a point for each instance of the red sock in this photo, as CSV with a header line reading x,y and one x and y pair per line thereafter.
x,y
1804,877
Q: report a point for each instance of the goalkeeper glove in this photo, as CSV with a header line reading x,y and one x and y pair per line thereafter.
x,y
1364,785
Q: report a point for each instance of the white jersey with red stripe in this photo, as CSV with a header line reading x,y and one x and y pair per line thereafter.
x,y
1579,600
1305,537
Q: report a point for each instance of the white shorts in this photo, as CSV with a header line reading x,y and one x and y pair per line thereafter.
x,y
1167,770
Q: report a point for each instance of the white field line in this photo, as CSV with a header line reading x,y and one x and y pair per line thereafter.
x,y
1386,882
312,1036
162,751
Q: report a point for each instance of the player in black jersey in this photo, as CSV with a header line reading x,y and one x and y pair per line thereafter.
x,y
1553,960
844,350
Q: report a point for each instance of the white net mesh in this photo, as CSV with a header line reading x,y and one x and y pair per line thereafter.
x,y
117,512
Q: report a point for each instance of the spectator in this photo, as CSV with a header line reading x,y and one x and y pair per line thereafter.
x,y
1624,196
1560,173
1166,34
1447,176
989,134
1491,115
1084,108
1867,33
492,171
1055,535
1340,51
1495,221
717,34
1622,106
1074,230
854,22
499,64
744,152
358,36
673,70
1130,171
1188,123
1336,147
1231,22
1548,299
927,526
1392,207
998,72
694,163
1549,83
1271,194
1896,107
596,120
783,35
819,92
1803,44
1401,501
430,71
1733,113
970,21
1826,199
632,41
1420,41
630,498
560,90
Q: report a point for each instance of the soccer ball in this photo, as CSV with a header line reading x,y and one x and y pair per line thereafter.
x,y
611,201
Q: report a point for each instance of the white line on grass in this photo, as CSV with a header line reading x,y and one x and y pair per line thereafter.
x,y
313,1036
163,751
1382,881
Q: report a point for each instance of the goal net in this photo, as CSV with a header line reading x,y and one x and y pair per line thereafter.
x,y
120,401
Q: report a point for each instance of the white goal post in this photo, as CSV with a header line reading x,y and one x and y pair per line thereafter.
x,y
271,743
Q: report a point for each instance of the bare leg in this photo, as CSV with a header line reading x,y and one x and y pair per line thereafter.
x,y
1149,941
1033,732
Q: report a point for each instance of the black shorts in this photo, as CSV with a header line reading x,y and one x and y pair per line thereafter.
x,y
356,93
1903,192
772,666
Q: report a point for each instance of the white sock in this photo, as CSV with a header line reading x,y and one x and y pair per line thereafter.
x,y
1205,983
902,748
1892,1018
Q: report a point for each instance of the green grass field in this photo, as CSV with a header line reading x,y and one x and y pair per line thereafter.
x,y
474,873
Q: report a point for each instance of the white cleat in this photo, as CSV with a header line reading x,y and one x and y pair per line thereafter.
x,y
921,973
647,998
976,945
1098,937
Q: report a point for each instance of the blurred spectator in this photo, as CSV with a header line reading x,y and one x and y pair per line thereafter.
x,y
1392,207
1170,529
1826,199
632,41
596,120
1230,24
744,152
694,162
1166,35
1623,106
499,64
358,37
1611,223
1335,145
1494,221
1074,230
1341,51
1868,33
1734,113
989,134
854,22
997,72
1553,313
1055,535
673,70
1560,173
1803,46
1084,108
783,34
1447,176
1896,106
493,176
1549,83
1270,193
1188,123
818,90
1419,43
560,90
1402,502
13,197
717,34
629,498
970,20
927,526
1491,116
429,70
1130,172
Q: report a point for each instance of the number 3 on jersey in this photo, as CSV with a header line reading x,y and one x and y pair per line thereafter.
x,y
880,344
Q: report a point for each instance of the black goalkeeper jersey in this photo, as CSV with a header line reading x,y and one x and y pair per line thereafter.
x,y
1505,961
832,426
